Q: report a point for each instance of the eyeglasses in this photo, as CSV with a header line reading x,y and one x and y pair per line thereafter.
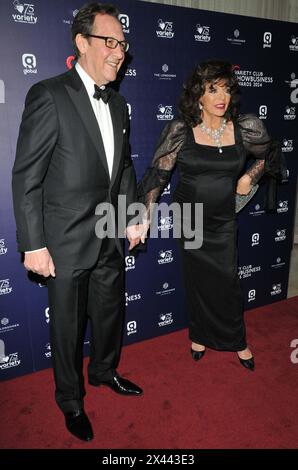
x,y
112,43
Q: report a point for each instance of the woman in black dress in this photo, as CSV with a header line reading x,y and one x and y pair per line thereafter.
x,y
210,144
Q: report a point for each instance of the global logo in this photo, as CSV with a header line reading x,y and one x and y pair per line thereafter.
x,y
131,327
263,111
29,64
130,263
124,20
251,295
267,39
255,239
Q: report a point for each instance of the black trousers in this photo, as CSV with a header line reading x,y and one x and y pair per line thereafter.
x,y
75,296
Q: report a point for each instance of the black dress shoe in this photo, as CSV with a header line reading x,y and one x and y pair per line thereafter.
x,y
119,385
79,425
197,355
248,363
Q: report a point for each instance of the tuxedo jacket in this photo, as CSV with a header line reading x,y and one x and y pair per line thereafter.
x,y
61,174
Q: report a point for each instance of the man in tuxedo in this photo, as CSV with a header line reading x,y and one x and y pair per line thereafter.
x,y
72,157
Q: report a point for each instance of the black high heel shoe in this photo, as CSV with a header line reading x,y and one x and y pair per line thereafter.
x,y
248,363
197,355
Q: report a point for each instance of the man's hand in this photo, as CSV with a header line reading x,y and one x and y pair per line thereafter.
x,y
244,185
40,262
135,234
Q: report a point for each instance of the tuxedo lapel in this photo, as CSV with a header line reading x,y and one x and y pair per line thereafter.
x,y
118,134
80,99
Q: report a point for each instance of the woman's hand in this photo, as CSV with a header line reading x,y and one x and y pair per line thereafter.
x,y
244,185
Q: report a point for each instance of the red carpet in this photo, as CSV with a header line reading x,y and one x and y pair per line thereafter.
x,y
215,403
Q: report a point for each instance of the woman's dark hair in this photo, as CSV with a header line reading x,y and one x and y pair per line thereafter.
x,y
84,19
211,71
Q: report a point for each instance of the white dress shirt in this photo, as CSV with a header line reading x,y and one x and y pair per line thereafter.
x,y
104,120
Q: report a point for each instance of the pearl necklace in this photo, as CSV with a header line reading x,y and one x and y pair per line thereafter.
x,y
215,134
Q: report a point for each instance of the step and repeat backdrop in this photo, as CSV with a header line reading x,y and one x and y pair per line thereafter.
x,y
166,43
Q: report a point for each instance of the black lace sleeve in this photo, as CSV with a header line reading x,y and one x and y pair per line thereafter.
x,y
158,174
256,142
267,152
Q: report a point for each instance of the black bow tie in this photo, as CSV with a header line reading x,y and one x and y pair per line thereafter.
x,y
103,93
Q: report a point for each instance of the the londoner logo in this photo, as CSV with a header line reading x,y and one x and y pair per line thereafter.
x,y
202,33
236,40
165,29
165,112
24,12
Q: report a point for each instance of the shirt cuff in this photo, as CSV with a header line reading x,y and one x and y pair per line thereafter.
x,y
34,251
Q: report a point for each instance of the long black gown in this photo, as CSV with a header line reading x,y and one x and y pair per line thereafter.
x,y
214,298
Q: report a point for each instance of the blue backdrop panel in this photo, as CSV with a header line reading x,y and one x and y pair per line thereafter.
x,y
164,49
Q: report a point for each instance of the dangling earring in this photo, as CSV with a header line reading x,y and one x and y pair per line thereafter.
x,y
200,106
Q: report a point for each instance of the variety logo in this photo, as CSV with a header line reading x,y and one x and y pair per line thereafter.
x,y
2,92
287,145
166,289
251,295
8,360
276,289
235,40
165,256
247,271
280,235
255,239
29,63
124,20
3,249
165,223
251,78
165,319
5,287
164,75
165,113
24,13
293,43
48,352
282,207
131,298
130,263
202,33
263,111
267,39
290,113
131,327
165,29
